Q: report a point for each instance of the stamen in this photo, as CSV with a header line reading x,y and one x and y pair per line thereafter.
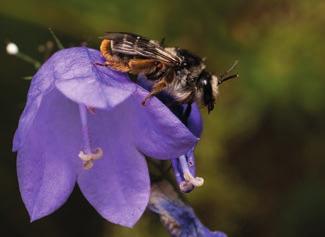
x,y
196,181
90,157
184,185
87,155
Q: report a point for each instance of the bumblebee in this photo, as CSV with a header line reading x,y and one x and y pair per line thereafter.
x,y
177,71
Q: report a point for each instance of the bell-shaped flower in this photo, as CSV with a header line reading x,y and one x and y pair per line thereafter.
x,y
184,165
85,124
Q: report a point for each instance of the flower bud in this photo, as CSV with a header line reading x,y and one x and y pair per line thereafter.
x,y
12,48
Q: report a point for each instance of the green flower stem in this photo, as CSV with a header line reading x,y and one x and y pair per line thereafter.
x,y
28,59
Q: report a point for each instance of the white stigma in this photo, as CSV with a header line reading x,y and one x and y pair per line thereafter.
x,y
196,181
12,48
88,158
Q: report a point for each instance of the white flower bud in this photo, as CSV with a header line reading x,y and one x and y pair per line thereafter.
x,y
12,48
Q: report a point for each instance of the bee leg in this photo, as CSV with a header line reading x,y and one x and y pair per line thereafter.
x,y
118,66
100,64
142,65
105,64
157,87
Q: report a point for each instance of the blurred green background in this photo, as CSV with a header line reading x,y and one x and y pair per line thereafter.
x,y
262,150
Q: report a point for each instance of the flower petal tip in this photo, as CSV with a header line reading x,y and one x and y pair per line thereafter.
x,y
35,216
33,219
129,222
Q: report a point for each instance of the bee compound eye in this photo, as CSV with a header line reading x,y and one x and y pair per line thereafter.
x,y
205,82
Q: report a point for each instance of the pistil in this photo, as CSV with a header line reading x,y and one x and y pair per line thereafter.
x,y
184,168
87,155
196,181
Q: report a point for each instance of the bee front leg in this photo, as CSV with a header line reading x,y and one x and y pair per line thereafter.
x,y
118,66
99,64
157,87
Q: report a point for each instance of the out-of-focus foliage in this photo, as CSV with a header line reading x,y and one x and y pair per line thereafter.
x,y
261,152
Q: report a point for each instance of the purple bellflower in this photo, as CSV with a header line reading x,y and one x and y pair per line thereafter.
x,y
85,124
178,218
183,166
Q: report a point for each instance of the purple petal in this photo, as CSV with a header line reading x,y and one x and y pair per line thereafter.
x,y
74,73
195,124
48,139
166,136
46,166
41,84
117,185
80,79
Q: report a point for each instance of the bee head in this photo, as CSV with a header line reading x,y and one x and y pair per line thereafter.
x,y
207,85
189,59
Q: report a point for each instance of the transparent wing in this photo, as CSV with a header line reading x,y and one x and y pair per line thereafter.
x,y
136,45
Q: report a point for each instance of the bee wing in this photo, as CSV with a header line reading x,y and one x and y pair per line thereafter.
x,y
136,45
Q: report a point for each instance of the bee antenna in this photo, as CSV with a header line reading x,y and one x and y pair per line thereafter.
x,y
223,79
232,67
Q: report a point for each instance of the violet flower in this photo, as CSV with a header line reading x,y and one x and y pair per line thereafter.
x,y
184,165
85,124
178,218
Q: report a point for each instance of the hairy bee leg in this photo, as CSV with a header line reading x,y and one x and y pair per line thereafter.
x,y
119,67
115,66
157,87
112,62
104,49
141,65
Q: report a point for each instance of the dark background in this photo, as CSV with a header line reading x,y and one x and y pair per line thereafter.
x,y
262,150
